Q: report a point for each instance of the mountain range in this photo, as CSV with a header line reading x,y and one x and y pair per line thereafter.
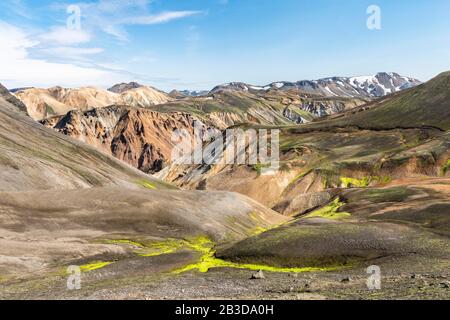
x,y
375,86
86,180
44,103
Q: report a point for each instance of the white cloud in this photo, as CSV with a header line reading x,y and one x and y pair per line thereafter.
x,y
113,16
70,53
17,69
159,18
65,36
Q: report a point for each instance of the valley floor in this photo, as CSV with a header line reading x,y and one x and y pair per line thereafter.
x,y
410,278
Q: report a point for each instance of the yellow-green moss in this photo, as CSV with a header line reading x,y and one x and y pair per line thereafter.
x,y
147,184
330,211
382,179
258,230
358,183
94,266
209,261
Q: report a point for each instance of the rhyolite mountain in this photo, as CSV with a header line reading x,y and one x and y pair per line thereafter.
x,y
375,86
218,110
142,137
400,136
55,101
348,195
188,93
37,158
425,105
63,202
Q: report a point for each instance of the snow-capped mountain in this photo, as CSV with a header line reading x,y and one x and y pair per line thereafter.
x,y
375,86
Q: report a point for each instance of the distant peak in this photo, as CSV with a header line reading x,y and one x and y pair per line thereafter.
x,y
122,87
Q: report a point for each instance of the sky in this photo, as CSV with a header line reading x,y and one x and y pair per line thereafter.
x,y
197,44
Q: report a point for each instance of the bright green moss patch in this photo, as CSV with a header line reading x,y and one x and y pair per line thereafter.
x,y
202,245
151,249
147,184
209,261
330,211
355,183
94,266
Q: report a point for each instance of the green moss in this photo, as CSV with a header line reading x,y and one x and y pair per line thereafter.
x,y
358,183
330,211
208,261
382,179
151,249
445,168
206,248
147,184
257,230
259,167
94,266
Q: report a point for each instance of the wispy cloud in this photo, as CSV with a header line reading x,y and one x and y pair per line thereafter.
x,y
163,17
47,54
65,36
113,16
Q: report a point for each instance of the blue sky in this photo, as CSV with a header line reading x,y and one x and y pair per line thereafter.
x,y
197,44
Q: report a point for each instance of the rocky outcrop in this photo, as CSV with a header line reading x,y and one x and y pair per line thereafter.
x,y
33,157
122,87
139,137
5,94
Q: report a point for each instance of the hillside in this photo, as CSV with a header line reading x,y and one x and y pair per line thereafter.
x,y
63,202
36,158
45,103
393,138
139,137
425,105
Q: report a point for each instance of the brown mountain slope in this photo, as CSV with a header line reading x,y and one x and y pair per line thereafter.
x,y
44,103
63,203
139,137
33,157
400,136
142,137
